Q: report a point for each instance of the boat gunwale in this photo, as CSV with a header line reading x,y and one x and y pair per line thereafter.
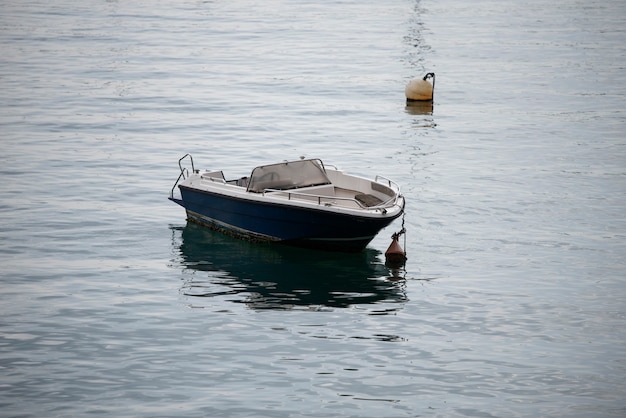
x,y
391,212
326,201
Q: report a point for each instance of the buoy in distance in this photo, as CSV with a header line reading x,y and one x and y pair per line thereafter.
x,y
420,89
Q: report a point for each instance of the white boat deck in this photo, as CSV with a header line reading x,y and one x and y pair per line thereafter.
x,y
332,196
370,194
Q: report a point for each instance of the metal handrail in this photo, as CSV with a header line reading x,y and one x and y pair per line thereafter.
x,y
193,169
184,172
390,183
181,175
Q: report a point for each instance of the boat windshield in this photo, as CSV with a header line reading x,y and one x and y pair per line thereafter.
x,y
288,175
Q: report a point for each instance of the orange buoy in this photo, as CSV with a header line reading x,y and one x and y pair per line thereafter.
x,y
395,256
420,89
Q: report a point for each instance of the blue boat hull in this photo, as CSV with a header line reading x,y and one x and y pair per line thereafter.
x,y
266,221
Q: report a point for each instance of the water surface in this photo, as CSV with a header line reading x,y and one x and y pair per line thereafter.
x,y
512,299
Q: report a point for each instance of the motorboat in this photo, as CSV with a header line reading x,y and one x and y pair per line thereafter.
x,y
303,203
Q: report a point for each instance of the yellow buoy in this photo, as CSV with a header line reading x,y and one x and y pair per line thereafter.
x,y
420,89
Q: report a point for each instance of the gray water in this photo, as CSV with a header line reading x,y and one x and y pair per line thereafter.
x,y
512,301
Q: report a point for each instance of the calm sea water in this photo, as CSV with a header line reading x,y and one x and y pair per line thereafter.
x,y
513,300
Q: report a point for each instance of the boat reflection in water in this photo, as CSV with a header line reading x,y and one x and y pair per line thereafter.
x,y
274,276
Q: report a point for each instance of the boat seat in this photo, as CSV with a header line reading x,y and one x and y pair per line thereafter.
x,y
368,200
